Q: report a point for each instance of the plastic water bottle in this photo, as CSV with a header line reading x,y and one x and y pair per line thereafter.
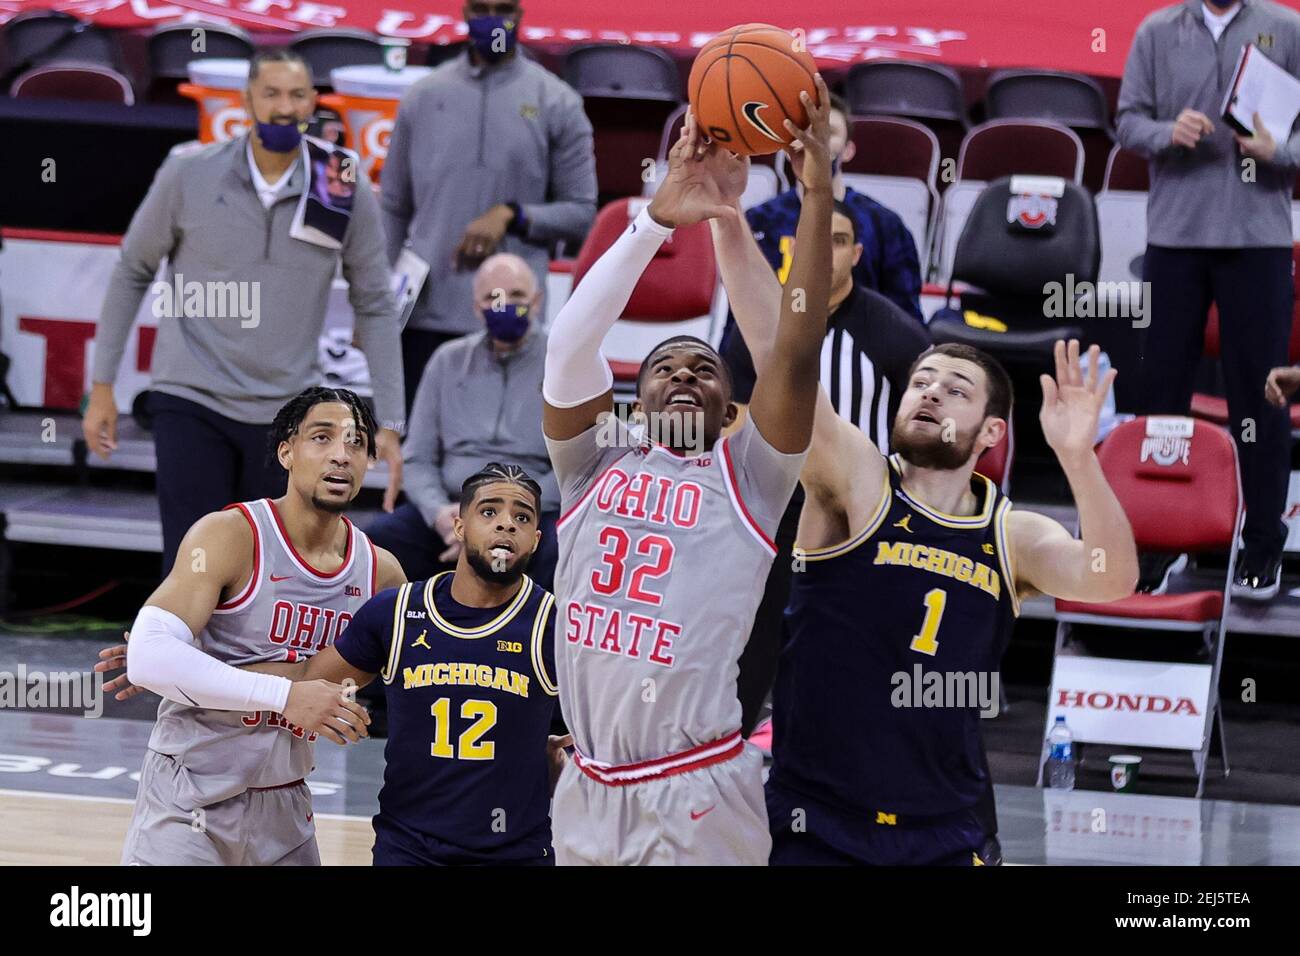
x,y
1060,756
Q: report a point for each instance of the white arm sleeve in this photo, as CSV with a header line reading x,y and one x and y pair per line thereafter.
x,y
161,656
576,369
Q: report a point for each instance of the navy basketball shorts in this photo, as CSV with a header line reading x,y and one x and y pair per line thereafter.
x,y
399,845
805,833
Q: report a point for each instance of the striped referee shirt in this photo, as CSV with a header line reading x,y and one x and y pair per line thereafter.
x,y
869,346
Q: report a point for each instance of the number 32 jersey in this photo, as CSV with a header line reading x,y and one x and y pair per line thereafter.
x,y
663,561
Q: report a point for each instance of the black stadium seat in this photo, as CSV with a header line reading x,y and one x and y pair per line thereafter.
x,y
44,36
171,47
616,71
1008,267
629,93
327,50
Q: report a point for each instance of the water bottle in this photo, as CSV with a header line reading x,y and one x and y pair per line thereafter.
x,y
1060,756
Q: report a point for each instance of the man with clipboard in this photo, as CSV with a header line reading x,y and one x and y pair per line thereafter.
x,y
1219,231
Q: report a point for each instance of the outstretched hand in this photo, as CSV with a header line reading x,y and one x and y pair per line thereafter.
x,y
1072,404
704,181
810,152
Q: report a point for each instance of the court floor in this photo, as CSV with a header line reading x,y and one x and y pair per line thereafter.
x,y
67,784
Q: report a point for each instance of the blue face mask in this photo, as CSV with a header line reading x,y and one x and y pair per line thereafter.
x,y
493,37
280,137
507,324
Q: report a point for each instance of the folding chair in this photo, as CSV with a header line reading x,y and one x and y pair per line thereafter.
x,y
1178,482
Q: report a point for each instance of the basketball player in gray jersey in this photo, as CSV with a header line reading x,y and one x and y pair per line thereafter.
x,y
269,580
664,548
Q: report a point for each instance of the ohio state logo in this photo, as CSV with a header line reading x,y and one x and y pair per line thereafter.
x,y
1166,451
1032,210
1137,703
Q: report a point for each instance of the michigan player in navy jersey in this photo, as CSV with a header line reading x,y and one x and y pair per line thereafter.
x,y
910,570
467,661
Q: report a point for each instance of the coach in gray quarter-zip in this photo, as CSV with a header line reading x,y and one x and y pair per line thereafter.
x,y
1218,230
479,400
490,153
252,307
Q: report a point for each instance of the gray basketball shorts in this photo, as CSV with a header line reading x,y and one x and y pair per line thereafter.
x,y
714,815
272,827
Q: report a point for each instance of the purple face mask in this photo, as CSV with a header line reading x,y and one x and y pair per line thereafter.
x,y
507,324
493,37
280,137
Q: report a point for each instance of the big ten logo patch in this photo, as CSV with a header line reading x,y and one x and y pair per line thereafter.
x,y
510,647
352,590
305,626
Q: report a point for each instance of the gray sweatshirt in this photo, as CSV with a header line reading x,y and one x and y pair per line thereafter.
x,y
203,215
473,407
1199,197
467,138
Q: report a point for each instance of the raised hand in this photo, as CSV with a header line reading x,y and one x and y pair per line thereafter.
x,y
810,151
704,181
1071,404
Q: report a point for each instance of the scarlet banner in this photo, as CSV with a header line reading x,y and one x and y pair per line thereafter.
x,y
1092,38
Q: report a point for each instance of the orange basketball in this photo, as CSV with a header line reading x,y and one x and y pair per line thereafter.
x,y
746,82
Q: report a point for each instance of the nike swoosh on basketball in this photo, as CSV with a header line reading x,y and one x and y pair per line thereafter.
x,y
695,815
751,110
280,577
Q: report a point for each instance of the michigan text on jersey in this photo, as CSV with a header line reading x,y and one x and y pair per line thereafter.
x,y
938,561
478,675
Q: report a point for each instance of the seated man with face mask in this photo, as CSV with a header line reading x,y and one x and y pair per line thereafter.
x,y
479,400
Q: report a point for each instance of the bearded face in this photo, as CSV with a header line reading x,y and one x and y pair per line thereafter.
x,y
923,444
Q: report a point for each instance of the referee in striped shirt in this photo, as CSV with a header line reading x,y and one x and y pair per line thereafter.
x,y
870,344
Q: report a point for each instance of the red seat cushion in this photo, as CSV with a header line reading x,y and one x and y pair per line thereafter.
x,y
1210,408
1213,408
1199,606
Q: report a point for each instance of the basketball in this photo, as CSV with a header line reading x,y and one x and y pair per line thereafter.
x,y
746,82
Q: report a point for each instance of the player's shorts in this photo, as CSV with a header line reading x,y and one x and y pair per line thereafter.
x,y
398,845
703,807
806,833
261,827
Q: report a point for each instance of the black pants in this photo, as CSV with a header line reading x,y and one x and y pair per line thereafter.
x,y
205,462
417,346
1255,295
